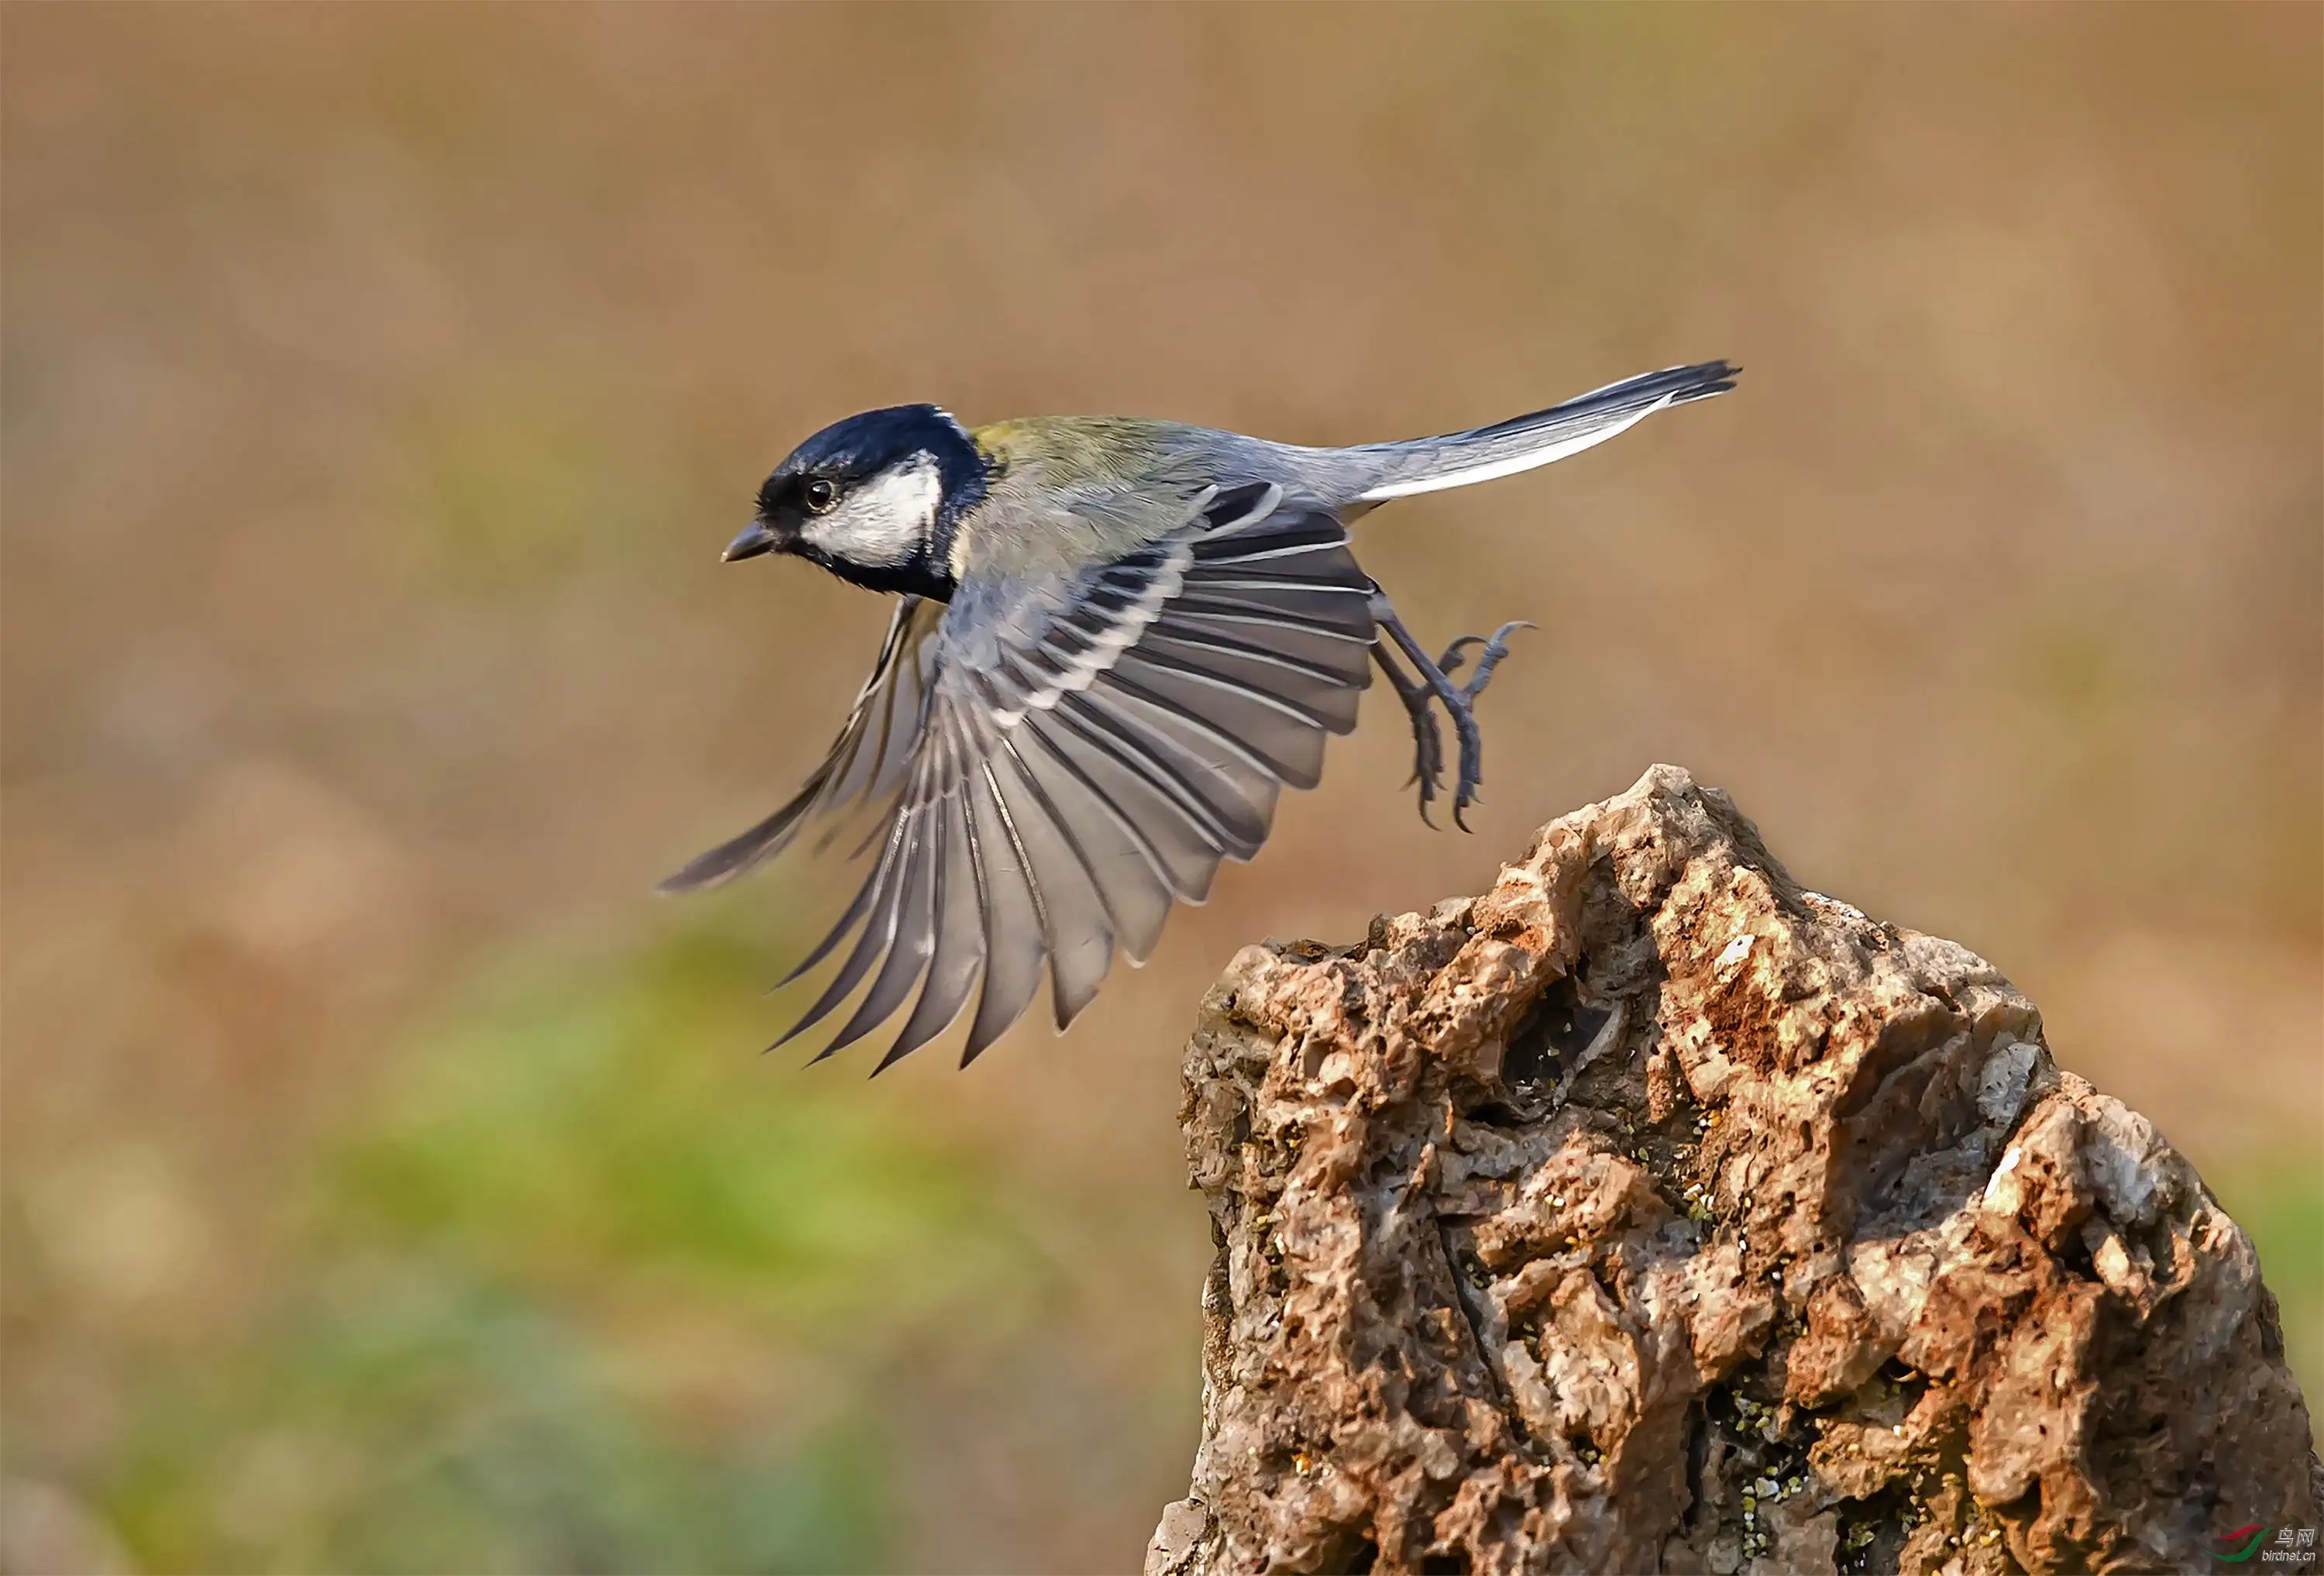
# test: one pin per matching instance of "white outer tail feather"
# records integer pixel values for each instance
(1525, 443)
(1511, 464)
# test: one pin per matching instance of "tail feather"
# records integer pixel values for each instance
(1427, 465)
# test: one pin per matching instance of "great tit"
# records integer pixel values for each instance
(1115, 641)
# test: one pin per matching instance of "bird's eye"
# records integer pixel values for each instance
(819, 494)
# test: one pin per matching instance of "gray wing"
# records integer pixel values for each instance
(867, 762)
(1088, 747)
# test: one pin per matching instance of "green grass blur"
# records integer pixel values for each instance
(527, 1299)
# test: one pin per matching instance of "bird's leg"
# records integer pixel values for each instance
(1435, 684)
(1427, 742)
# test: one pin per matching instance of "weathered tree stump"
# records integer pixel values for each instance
(1651, 1212)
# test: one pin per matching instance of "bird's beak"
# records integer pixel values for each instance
(756, 538)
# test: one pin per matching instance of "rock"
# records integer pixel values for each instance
(1651, 1212)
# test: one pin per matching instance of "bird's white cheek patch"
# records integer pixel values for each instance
(886, 521)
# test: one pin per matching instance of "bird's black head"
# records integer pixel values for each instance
(875, 499)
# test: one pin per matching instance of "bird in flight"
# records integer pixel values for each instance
(1115, 641)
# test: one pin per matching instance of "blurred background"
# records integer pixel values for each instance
(392, 1184)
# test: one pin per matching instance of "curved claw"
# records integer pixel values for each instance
(1472, 759)
(1496, 649)
(1428, 759)
(1456, 654)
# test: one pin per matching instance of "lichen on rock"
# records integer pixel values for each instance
(1651, 1212)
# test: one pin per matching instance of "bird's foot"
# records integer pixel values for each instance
(1431, 684)
(1496, 647)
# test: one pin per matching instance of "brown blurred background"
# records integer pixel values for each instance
(392, 1184)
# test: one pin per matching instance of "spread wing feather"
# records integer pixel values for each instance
(1058, 759)
(1016, 925)
(874, 748)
